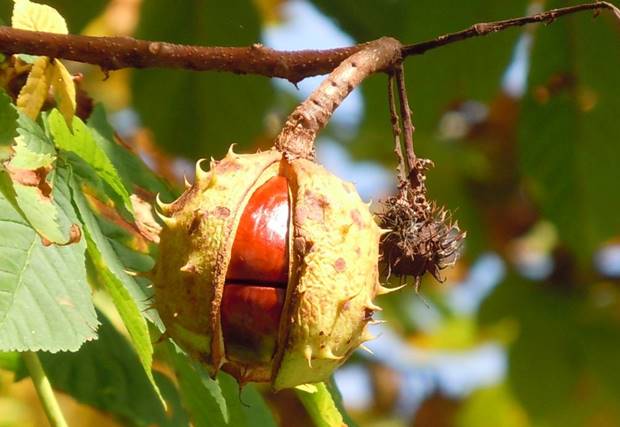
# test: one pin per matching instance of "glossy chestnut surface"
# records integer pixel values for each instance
(257, 275)
(250, 321)
(260, 249)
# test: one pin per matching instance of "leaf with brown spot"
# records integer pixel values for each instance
(44, 199)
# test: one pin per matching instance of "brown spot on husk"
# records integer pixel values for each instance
(357, 218)
(221, 212)
(340, 265)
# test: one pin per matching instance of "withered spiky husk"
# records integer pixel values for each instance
(421, 236)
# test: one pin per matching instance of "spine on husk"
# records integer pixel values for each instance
(333, 274)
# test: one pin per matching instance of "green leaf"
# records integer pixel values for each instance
(321, 406)
(81, 142)
(130, 313)
(45, 301)
(337, 397)
(139, 294)
(107, 375)
(33, 148)
(201, 114)
(201, 396)
(569, 130)
(8, 119)
(130, 167)
(221, 402)
(246, 406)
(51, 215)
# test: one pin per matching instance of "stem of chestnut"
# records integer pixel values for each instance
(296, 139)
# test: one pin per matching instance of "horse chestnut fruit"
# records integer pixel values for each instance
(267, 269)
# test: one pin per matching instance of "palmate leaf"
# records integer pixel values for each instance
(140, 296)
(41, 193)
(45, 301)
(133, 319)
(81, 142)
(106, 374)
(132, 170)
(51, 215)
(33, 148)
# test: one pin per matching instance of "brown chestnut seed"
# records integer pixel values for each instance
(250, 312)
(332, 271)
(250, 321)
(260, 249)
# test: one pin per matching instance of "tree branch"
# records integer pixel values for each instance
(112, 53)
(296, 139)
(484, 28)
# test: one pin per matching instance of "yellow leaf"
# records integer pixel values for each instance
(34, 92)
(37, 17)
(64, 90)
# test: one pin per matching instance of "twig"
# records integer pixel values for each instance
(112, 53)
(44, 389)
(405, 115)
(298, 133)
(484, 28)
(398, 150)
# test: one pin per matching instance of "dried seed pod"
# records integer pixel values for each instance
(332, 269)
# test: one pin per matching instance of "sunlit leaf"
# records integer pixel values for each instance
(81, 142)
(33, 149)
(133, 319)
(34, 93)
(132, 170)
(32, 16)
(138, 293)
(64, 89)
(45, 201)
(45, 301)
(321, 406)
